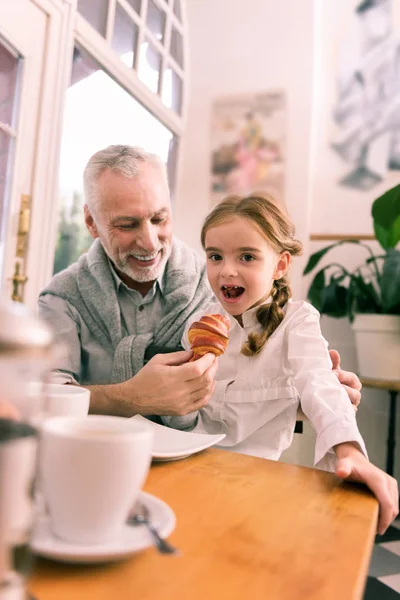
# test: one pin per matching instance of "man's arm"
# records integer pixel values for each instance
(167, 385)
(58, 314)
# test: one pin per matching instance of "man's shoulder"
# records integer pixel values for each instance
(65, 282)
(183, 256)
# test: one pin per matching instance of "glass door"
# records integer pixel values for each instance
(22, 45)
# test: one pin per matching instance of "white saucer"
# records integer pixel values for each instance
(133, 539)
(172, 444)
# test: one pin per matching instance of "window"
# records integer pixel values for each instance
(148, 37)
(9, 79)
(98, 112)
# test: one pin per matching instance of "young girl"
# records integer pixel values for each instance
(276, 357)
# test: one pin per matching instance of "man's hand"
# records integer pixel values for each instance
(352, 465)
(169, 385)
(349, 380)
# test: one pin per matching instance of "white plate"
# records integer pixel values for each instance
(134, 537)
(172, 444)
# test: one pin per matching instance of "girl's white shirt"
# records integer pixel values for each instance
(256, 398)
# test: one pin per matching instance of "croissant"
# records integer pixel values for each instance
(210, 334)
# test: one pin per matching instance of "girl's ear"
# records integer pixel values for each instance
(282, 265)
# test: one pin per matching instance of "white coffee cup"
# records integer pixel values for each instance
(92, 470)
(57, 399)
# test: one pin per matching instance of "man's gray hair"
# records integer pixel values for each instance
(127, 160)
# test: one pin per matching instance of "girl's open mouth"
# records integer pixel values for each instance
(232, 292)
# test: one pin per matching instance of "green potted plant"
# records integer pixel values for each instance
(368, 295)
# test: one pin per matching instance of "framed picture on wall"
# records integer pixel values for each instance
(247, 145)
(356, 116)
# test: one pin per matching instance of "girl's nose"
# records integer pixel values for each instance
(228, 270)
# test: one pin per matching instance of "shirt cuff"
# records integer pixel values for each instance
(337, 433)
(62, 377)
(186, 423)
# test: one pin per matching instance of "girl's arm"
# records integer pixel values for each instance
(351, 465)
(323, 399)
(326, 405)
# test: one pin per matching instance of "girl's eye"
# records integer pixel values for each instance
(214, 257)
(248, 257)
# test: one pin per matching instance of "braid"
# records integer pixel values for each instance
(269, 316)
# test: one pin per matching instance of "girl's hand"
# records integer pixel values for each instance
(352, 465)
(8, 411)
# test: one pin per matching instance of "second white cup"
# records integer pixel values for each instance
(57, 399)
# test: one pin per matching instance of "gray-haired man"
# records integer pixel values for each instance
(131, 294)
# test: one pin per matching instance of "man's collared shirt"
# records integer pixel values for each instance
(85, 360)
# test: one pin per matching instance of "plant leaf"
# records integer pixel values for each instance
(382, 235)
(316, 257)
(386, 216)
(394, 236)
(334, 299)
(362, 297)
(390, 280)
(316, 288)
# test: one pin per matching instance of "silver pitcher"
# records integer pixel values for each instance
(26, 348)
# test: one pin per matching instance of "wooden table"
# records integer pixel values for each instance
(393, 387)
(247, 528)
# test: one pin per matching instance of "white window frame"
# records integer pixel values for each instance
(100, 49)
(66, 28)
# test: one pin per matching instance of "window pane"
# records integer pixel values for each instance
(149, 66)
(136, 5)
(10, 71)
(98, 112)
(124, 37)
(177, 46)
(177, 9)
(8, 79)
(172, 90)
(156, 20)
(95, 13)
(5, 156)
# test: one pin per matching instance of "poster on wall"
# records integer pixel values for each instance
(247, 145)
(356, 117)
(367, 108)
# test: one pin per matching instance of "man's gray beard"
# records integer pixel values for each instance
(144, 274)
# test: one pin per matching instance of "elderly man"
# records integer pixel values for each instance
(131, 294)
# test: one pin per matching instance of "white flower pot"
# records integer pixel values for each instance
(378, 346)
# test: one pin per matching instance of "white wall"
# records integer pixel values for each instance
(239, 46)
